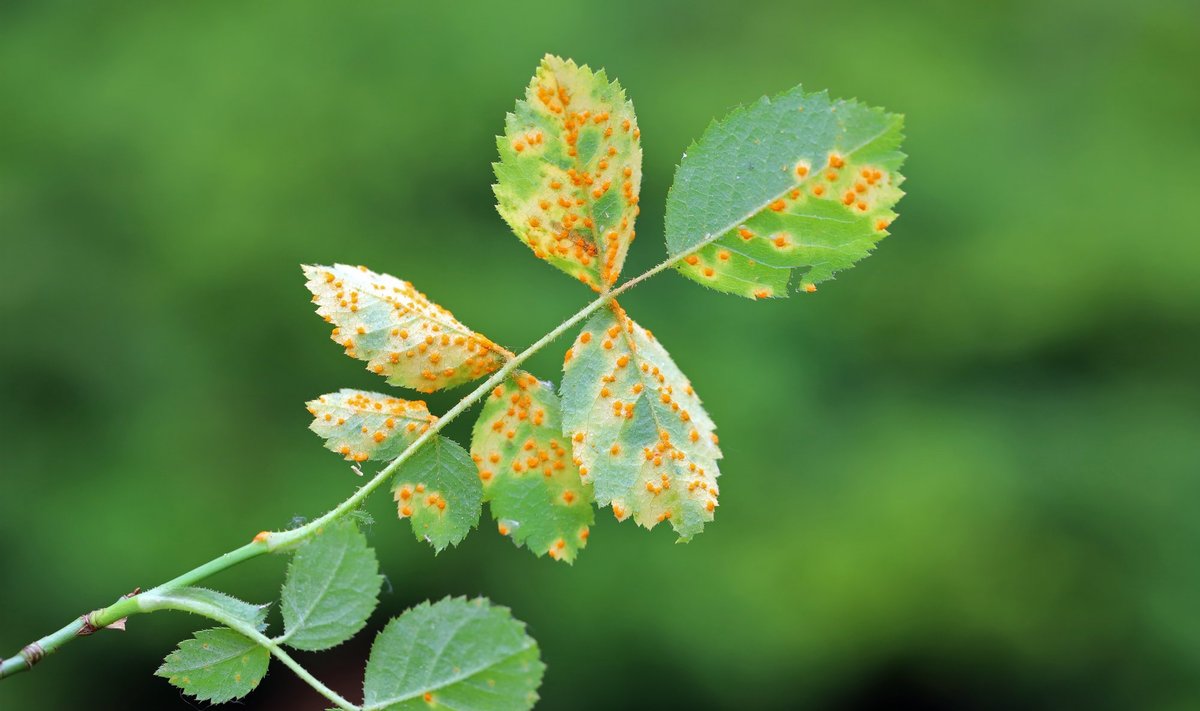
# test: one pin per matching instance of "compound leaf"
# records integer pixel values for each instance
(360, 425)
(216, 665)
(398, 331)
(638, 428)
(570, 170)
(438, 488)
(796, 183)
(528, 474)
(331, 588)
(455, 654)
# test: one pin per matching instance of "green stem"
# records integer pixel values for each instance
(82, 626)
(252, 549)
(272, 541)
(32, 653)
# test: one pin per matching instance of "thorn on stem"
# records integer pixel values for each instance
(90, 622)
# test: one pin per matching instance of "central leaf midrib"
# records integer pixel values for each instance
(448, 682)
(223, 660)
(645, 389)
(300, 623)
(714, 236)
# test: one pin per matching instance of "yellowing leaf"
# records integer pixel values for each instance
(399, 332)
(638, 428)
(528, 474)
(361, 425)
(570, 170)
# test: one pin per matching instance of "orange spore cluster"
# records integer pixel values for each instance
(411, 494)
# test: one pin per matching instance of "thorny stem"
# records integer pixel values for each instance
(267, 542)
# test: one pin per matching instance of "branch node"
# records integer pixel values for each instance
(89, 624)
(32, 654)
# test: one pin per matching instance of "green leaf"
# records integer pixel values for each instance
(527, 471)
(399, 332)
(570, 170)
(438, 488)
(361, 425)
(216, 665)
(204, 601)
(638, 428)
(455, 654)
(331, 588)
(798, 182)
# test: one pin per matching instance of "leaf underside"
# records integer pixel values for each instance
(438, 488)
(331, 588)
(216, 665)
(456, 654)
(798, 183)
(638, 428)
(398, 331)
(528, 474)
(361, 425)
(191, 598)
(570, 170)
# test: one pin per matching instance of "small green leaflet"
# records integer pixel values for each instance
(332, 586)
(216, 665)
(570, 170)
(455, 654)
(637, 426)
(206, 602)
(399, 332)
(528, 474)
(361, 425)
(438, 488)
(799, 182)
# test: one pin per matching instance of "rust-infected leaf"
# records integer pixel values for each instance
(398, 331)
(570, 170)
(360, 425)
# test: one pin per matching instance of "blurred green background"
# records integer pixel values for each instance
(964, 475)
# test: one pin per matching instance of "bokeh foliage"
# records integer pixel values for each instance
(963, 473)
